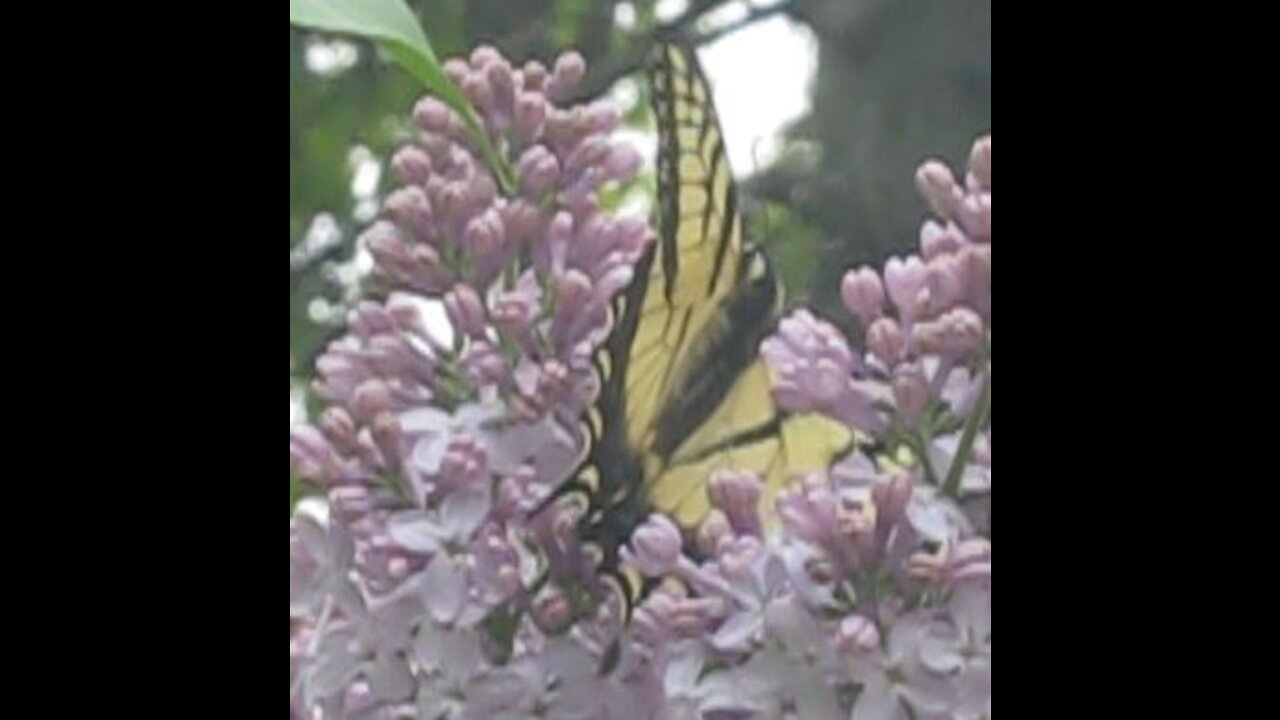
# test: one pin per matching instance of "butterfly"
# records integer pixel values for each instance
(684, 392)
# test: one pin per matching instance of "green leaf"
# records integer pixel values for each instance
(569, 15)
(393, 25)
(390, 21)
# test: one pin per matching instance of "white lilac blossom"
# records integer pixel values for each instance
(436, 582)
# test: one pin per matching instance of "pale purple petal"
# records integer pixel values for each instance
(444, 586)
(332, 672)
(390, 679)
(464, 510)
(879, 703)
(739, 632)
(416, 531)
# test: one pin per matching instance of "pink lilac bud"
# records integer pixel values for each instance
(312, 457)
(340, 370)
(655, 547)
(485, 55)
(714, 531)
(405, 315)
(530, 113)
(539, 172)
(479, 92)
(352, 502)
(976, 261)
(591, 243)
(858, 634)
(496, 563)
(622, 162)
(412, 166)
(486, 241)
(464, 463)
(943, 287)
(974, 215)
(863, 295)
(501, 79)
(416, 267)
(370, 399)
(573, 294)
(911, 393)
(515, 494)
(938, 186)
(524, 222)
(808, 512)
(886, 342)
(556, 246)
(553, 383)
(411, 209)
(956, 335)
(482, 190)
(579, 194)
(812, 370)
(980, 163)
(443, 155)
(456, 69)
(629, 238)
(514, 312)
(466, 311)
(739, 558)
(569, 70)
(425, 272)
(535, 75)
(905, 282)
(452, 203)
(937, 240)
(396, 356)
(389, 439)
(669, 614)
(484, 364)
(338, 427)
(369, 319)
(432, 115)
(559, 132)
(891, 499)
(610, 282)
(738, 495)
(603, 117)
(540, 386)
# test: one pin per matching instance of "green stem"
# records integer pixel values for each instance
(976, 420)
(501, 170)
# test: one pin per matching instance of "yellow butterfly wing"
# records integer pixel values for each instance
(698, 399)
(696, 265)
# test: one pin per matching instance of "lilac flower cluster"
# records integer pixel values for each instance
(411, 587)
(428, 580)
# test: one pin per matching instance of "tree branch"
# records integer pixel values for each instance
(754, 16)
(633, 59)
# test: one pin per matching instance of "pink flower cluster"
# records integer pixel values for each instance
(410, 585)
